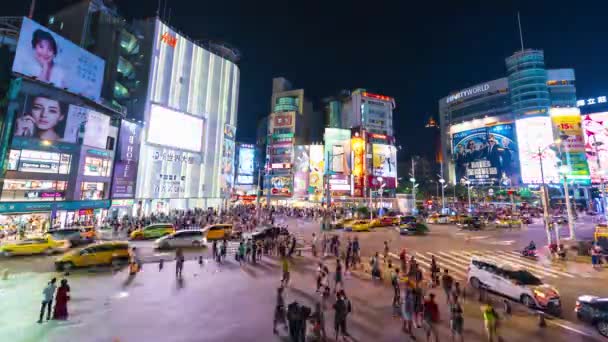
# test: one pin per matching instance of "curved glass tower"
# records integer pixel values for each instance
(528, 83)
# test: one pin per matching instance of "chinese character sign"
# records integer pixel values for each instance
(125, 169)
(567, 127)
(595, 128)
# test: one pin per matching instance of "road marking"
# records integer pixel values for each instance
(479, 237)
(532, 270)
(429, 266)
(568, 327)
(451, 262)
(538, 266)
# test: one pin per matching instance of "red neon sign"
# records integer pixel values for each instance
(169, 39)
(376, 96)
(378, 136)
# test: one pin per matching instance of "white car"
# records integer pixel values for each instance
(182, 238)
(519, 285)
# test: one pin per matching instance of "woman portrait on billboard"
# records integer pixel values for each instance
(45, 50)
(43, 118)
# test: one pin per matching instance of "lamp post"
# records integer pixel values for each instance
(442, 181)
(564, 170)
(468, 183)
(544, 199)
(259, 194)
(380, 190)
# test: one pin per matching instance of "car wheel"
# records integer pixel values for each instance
(475, 282)
(117, 262)
(7, 254)
(48, 251)
(602, 328)
(66, 266)
(196, 244)
(528, 301)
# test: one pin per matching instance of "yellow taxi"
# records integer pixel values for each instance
(31, 246)
(218, 231)
(153, 231)
(341, 223)
(375, 222)
(601, 232)
(508, 222)
(359, 226)
(102, 253)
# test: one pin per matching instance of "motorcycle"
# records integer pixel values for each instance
(529, 253)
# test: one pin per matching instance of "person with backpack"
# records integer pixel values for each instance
(456, 319)
(490, 318)
(342, 308)
(431, 317)
(447, 282)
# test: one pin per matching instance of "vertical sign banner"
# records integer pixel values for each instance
(595, 127)
(535, 135)
(301, 164)
(358, 150)
(568, 127)
(384, 160)
(316, 169)
(227, 171)
(125, 169)
(337, 150)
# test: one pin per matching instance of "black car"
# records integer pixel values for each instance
(73, 235)
(593, 310)
(268, 232)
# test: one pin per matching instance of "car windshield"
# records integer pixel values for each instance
(63, 232)
(408, 219)
(525, 277)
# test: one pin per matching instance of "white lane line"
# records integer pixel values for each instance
(530, 269)
(568, 327)
(418, 255)
(479, 237)
(537, 265)
(447, 261)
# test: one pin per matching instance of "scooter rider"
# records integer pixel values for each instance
(531, 247)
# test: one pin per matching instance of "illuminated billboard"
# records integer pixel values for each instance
(595, 127)
(384, 160)
(127, 160)
(300, 183)
(46, 56)
(337, 150)
(486, 155)
(567, 127)
(280, 185)
(246, 159)
(168, 173)
(171, 128)
(302, 159)
(535, 137)
(316, 169)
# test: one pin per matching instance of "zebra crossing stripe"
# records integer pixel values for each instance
(532, 270)
(429, 266)
(443, 260)
(537, 265)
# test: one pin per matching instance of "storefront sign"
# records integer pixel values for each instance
(43, 194)
(468, 92)
(591, 101)
(125, 170)
(568, 127)
(122, 203)
(85, 212)
(17, 207)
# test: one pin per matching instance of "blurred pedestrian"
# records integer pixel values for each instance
(342, 308)
(214, 250)
(490, 318)
(318, 319)
(407, 310)
(240, 255)
(179, 262)
(313, 245)
(339, 278)
(61, 301)
(223, 250)
(285, 268)
(431, 318)
(47, 299)
(386, 251)
(456, 319)
(279, 311)
(447, 282)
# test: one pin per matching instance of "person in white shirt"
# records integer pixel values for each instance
(47, 300)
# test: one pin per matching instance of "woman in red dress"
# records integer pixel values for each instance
(61, 301)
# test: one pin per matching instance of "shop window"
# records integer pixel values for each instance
(39, 161)
(33, 190)
(97, 167)
(92, 190)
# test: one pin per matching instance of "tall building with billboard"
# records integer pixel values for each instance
(189, 103)
(479, 139)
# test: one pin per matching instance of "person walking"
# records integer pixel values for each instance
(279, 311)
(223, 250)
(318, 320)
(489, 320)
(456, 319)
(447, 282)
(313, 245)
(396, 291)
(418, 305)
(375, 267)
(61, 301)
(403, 260)
(408, 311)
(214, 250)
(285, 267)
(356, 252)
(240, 252)
(179, 262)
(47, 299)
(339, 278)
(342, 308)
(254, 252)
(386, 250)
(431, 317)
(434, 272)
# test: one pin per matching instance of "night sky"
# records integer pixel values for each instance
(415, 51)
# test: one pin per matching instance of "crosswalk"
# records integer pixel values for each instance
(457, 262)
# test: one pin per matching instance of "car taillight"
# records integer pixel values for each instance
(577, 306)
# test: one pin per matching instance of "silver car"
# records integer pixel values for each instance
(182, 238)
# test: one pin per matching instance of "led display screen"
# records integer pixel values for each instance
(46, 56)
(535, 139)
(337, 150)
(171, 128)
(384, 160)
(246, 158)
(316, 169)
(595, 127)
(567, 127)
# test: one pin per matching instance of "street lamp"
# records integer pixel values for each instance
(599, 167)
(414, 185)
(564, 170)
(442, 181)
(467, 182)
(380, 189)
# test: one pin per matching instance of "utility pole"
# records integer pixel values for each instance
(259, 195)
(602, 186)
(413, 180)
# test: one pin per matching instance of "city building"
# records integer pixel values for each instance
(58, 136)
(493, 133)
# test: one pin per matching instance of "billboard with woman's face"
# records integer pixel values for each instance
(43, 117)
(46, 56)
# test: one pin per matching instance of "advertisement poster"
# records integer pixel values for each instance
(175, 129)
(44, 55)
(487, 155)
(282, 120)
(227, 167)
(280, 185)
(384, 160)
(170, 173)
(595, 128)
(229, 132)
(316, 169)
(535, 137)
(246, 159)
(125, 169)
(568, 127)
(337, 150)
(302, 158)
(96, 130)
(339, 185)
(300, 184)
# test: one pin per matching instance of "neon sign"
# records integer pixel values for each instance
(169, 39)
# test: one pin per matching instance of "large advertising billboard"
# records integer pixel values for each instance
(175, 129)
(301, 160)
(595, 127)
(281, 185)
(125, 167)
(337, 150)
(300, 183)
(246, 159)
(46, 56)
(535, 139)
(316, 169)
(567, 126)
(169, 173)
(227, 171)
(384, 160)
(94, 125)
(487, 155)
(281, 120)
